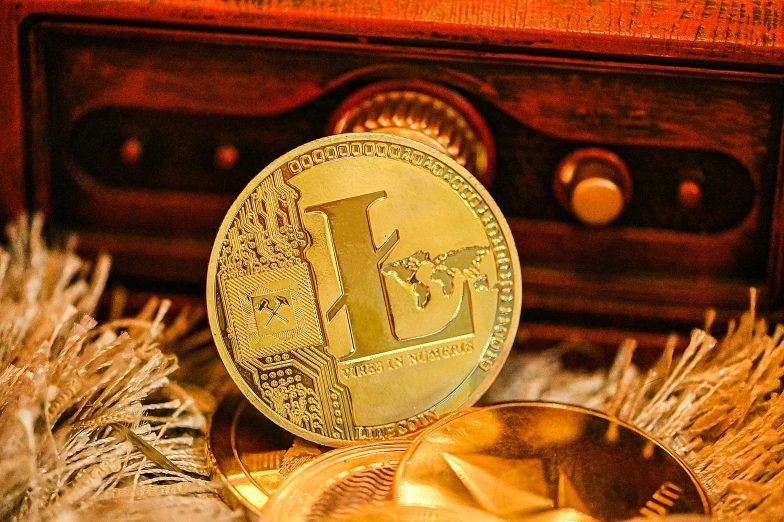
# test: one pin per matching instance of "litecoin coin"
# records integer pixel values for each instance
(361, 287)
(537, 461)
(250, 454)
(338, 485)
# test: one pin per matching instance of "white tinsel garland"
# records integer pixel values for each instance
(80, 403)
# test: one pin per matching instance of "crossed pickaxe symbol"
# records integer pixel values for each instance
(273, 312)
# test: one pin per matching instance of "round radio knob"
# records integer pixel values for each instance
(131, 151)
(594, 185)
(424, 112)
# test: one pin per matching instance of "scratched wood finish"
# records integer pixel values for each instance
(749, 32)
(729, 35)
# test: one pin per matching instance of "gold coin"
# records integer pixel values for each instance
(361, 287)
(337, 485)
(393, 512)
(546, 462)
(250, 454)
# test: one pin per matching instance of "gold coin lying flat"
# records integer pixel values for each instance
(250, 454)
(392, 512)
(532, 462)
(361, 287)
(337, 485)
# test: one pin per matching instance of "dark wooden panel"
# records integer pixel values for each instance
(548, 76)
(183, 93)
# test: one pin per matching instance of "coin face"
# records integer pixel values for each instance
(250, 454)
(542, 461)
(361, 287)
(338, 485)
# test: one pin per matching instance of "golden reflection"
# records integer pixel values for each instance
(338, 484)
(391, 512)
(248, 490)
(549, 462)
(250, 454)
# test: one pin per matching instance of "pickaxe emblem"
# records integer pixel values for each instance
(264, 306)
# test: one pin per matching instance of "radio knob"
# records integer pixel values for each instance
(425, 112)
(131, 151)
(689, 194)
(594, 185)
(225, 157)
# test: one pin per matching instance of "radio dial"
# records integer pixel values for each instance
(594, 185)
(424, 112)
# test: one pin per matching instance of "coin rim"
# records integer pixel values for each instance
(228, 219)
(424, 434)
(223, 453)
(337, 456)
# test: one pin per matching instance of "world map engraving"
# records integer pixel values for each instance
(442, 269)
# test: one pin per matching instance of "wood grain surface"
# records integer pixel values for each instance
(740, 32)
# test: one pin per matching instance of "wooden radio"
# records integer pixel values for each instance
(635, 147)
